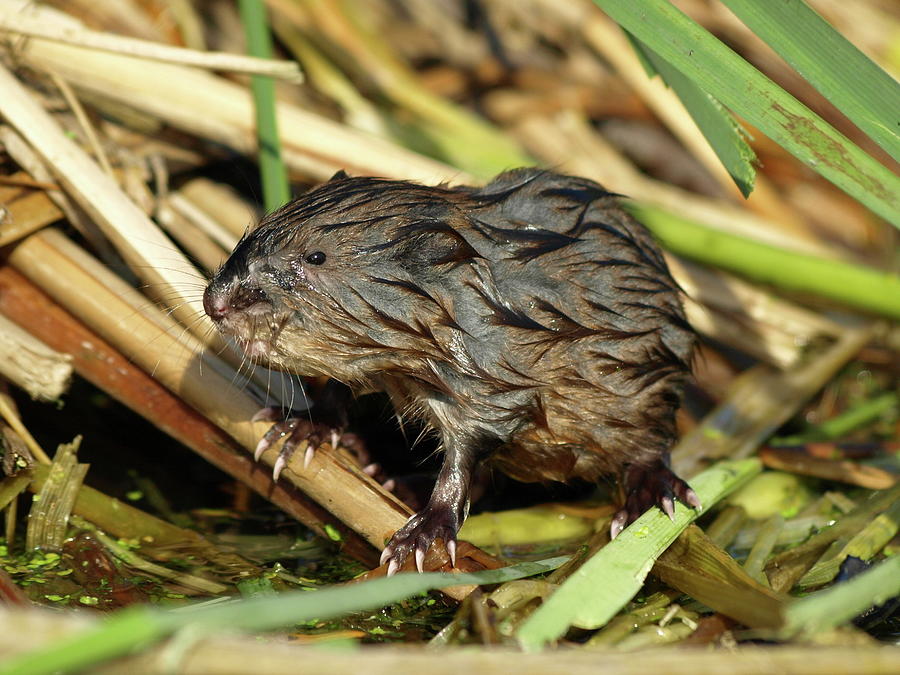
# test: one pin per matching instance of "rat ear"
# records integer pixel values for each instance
(340, 175)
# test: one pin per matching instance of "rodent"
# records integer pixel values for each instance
(531, 322)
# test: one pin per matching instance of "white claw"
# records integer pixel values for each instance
(616, 526)
(693, 499)
(393, 567)
(385, 554)
(261, 447)
(280, 463)
(390, 484)
(668, 507)
(420, 560)
(371, 469)
(451, 551)
(335, 439)
(308, 457)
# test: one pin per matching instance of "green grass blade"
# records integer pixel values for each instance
(606, 582)
(259, 43)
(745, 91)
(841, 602)
(856, 286)
(718, 126)
(856, 85)
(139, 627)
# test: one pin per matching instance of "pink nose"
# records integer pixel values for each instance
(215, 305)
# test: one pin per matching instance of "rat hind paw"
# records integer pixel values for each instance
(298, 430)
(647, 486)
(420, 531)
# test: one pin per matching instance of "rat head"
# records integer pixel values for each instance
(335, 282)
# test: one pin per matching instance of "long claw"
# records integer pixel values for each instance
(392, 568)
(668, 506)
(280, 463)
(308, 457)
(451, 551)
(261, 447)
(692, 499)
(335, 439)
(420, 559)
(385, 555)
(617, 525)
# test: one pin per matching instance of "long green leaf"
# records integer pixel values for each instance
(856, 286)
(861, 90)
(841, 602)
(605, 583)
(276, 190)
(742, 88)
(718, 126)
(141, 626)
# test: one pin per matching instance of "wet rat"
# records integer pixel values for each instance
(531, 322)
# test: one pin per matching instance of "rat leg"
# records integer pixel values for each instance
(330, 412)
(446, 509)
(648, 485)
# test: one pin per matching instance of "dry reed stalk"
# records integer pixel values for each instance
(205, 252)
(221, 205)
(199, 218)
(106, 368)
(854, 473)
(78, 282)
(30, 364)
(26, 214)
(147, 251)
(23, 154)
(10, 414)
(23, 18)
(214, 108)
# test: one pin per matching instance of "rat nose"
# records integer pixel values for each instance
(215, 304)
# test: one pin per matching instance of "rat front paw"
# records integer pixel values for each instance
(433, 522)
(647, 486)
(298, 430)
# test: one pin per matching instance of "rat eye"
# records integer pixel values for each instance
(316, 258)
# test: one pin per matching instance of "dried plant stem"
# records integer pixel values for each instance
(27, 214)
(214, 108)
(83, 121)
(30, 364)
(11, 417)
(23, 21)
(223, 215)
(147, 251)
